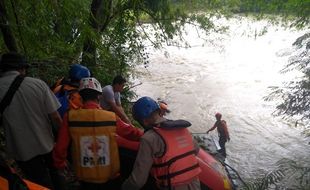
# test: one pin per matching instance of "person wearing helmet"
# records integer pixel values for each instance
(90, 133)
(76, 72)
(111, 98)
(163, 107)
(27, 120)
(222, 130)
(66, 90)
(164, 140)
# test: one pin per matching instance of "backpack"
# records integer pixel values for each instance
(63, 98)
(68, 97)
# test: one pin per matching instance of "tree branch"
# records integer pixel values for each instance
(8, 36)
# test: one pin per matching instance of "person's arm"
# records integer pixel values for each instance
(56, 122)
(214, 126)
(51, 104)
(128, 131)
(61, 146)
(141, 169)
(119, 111)
(108, 97)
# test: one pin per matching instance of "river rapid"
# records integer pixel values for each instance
(231, 73)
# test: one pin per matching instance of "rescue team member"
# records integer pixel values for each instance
(29, 138)
(111, 98)
(167, 150)
(222, 132)
(92, 132)
(163, 107)
(68, 88)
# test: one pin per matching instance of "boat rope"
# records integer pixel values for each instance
(236, 174)
(225, 164)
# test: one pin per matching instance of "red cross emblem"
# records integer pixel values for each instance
(94, 147)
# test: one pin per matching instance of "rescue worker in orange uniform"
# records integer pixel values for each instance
(92, 133)
(223, 133)
(167, 151)
(69, 88)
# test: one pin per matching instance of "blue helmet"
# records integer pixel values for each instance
(77, 72)
(143, 108)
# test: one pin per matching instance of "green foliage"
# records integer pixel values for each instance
(48, 33)
(287, 175)
(295, 94)
(295, 13)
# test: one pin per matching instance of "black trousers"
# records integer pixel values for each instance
(41, 171)
(222, 142)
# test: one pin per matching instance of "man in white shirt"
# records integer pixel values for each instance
(111, 98)
(28, 119)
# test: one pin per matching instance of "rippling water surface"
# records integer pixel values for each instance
(231, 74)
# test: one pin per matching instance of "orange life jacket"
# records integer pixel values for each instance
(178, 165)
(74, 98)
(34, 186)
(222, 129)
(94, 146)
(4, 183)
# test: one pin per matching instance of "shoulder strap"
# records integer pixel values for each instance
(10, 93)
(11, 163)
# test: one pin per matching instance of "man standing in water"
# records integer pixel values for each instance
(222, 131)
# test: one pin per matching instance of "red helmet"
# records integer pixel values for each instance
(218, 115)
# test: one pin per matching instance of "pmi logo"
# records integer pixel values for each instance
(95, 151)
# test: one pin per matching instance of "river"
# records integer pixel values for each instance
(231, 74)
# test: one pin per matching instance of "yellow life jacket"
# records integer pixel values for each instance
(178, 165)
(94, 148)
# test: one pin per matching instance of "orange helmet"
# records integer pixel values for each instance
(163, 105)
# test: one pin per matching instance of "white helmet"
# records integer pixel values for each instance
(90, 83)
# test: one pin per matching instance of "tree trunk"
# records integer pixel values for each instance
(99, 17)
(8, 35)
